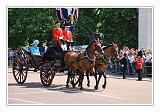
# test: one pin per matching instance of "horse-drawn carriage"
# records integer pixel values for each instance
(58, 60)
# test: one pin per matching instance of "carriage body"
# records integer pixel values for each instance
(48, 65)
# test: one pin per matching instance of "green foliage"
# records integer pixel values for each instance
(117, 24)
(28, 24)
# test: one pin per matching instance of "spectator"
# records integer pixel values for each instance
(11, 55)
(143, 53)
(120, 54)
(125, 50)
(125, 65)
(148, 62)
(131, 59)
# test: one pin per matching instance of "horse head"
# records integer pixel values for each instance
(114, 50)
(111, 51)
(95, 47)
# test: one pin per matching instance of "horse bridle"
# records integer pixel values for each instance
(102, 56)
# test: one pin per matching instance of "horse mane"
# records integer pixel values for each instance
(106, 47)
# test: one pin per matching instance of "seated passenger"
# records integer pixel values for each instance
(68, 36)
(34, 49)
(43, 48)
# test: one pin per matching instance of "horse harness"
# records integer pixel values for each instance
(86, 56)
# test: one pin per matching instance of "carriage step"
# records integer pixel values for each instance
(58, 61)
(57, 64)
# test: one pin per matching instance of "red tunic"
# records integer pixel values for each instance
(56, 33)
(139, 63)
(67, 35)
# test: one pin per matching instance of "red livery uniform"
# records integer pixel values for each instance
(67, 35)
(139, 63)
(56, 33)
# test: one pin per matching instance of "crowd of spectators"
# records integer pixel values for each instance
(131, 55)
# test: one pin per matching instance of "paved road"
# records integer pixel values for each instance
(118, 91)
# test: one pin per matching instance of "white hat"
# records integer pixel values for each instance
(35, 42)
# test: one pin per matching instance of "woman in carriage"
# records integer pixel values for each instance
(34, 48)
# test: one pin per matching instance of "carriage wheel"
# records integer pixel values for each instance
(46, 74)
(74, 79)
(20, 70)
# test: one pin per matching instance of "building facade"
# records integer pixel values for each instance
(145, 28)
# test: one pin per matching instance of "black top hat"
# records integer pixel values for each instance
(67, 25)
(140, 54)
(57, 22)
(44, 42)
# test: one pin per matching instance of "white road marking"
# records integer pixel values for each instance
(24, 100)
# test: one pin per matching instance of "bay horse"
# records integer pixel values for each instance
(101, 63)
(83, 61)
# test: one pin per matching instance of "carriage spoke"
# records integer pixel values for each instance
(20, 76)
(17, 73)
(23, 75)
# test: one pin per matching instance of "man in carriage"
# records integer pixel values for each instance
(68, 36)
(57, 33)
(43, 48)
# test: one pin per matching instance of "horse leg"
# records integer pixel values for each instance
(81, 80)
(105, 82)
(68, 77)
(88, 81)
(96, 86)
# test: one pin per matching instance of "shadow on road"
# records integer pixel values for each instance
(73, 90)
(54, 87)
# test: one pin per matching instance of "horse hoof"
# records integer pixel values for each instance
(95, 87)
(81, 88)
(103, 86)
(73, 86)
(88, 85)
(67, 86)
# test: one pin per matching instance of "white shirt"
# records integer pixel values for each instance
(148, 58)
(131, 58)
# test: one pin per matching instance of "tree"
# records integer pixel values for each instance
(28, 24)
(118, 25)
